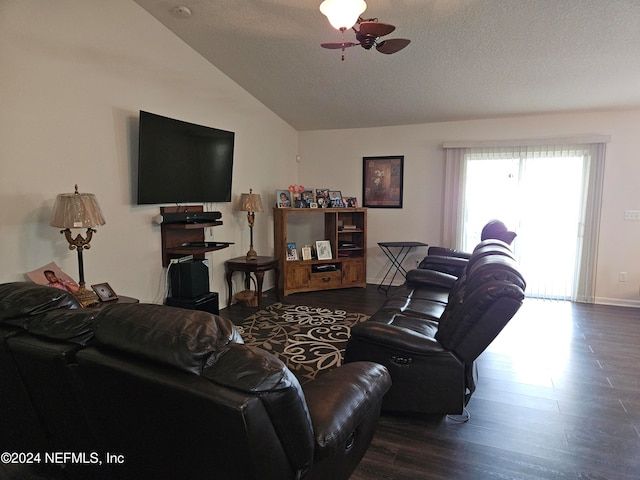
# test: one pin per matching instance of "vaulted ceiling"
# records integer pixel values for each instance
(467, 59)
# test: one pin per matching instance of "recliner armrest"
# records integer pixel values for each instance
(340, 400)
(403, 333)
(446, 264)
(447, 252)
(430, 278)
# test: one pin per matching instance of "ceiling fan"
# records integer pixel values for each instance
(368, 33)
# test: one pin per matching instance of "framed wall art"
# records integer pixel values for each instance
(382, 181)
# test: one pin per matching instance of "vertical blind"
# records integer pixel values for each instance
(549, 193)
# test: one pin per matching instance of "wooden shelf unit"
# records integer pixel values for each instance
(176, 234)
(348, 248)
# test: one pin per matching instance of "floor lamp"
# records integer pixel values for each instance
(78, 210)
(251, 203)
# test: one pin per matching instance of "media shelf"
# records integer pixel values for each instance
(346, 230)
(177, 236)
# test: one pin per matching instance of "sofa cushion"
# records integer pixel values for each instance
(175, 336)
(248, 369)
(19, 300)
(75, 326)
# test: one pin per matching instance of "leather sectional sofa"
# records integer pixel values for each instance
(431, 330)
(139, 391)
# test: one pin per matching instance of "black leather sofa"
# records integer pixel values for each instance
(147, 391)
(430, 331)
(448, 260)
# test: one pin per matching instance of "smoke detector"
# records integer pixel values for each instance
(181, 11)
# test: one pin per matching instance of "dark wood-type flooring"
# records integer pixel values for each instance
(558, 397)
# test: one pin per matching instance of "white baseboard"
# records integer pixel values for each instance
(617, 302)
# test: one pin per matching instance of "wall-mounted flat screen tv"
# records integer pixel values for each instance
(180, 162)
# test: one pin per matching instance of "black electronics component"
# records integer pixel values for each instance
(188, 280)
(191, 217)
(207, 303)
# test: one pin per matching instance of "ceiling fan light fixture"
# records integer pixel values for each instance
(343, 14)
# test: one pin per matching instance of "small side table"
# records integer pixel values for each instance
(257, 267)
(120, 299)
(396, 256)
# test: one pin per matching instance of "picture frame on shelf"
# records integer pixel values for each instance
(104, 292)
(322, 198)
(382, 179)
(306, 252)
(313, 205)
(292, 252)
(308, 197)
(335, 197)
(350, 202)
(323, 249)
(283, 199)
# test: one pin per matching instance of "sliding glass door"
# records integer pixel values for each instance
(539, 192)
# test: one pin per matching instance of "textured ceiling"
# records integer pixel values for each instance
(467, 59)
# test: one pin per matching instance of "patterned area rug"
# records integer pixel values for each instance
(307, 339)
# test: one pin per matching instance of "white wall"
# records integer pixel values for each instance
(334, 159)
(74, 75)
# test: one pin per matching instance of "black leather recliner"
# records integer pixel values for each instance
(173, 393)
(430, 332)
(453, 262)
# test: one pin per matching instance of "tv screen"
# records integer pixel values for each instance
(180, 162)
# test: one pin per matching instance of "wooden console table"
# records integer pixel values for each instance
(257, 267)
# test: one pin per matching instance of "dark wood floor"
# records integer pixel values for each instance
(558, 397)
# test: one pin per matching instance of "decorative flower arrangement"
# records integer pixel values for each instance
(295, 190)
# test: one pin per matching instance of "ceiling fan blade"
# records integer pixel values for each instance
(376, 29)
(392, 46)
(337, 45)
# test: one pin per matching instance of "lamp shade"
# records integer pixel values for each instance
(76, 210)
(343, 14)
(251, 202)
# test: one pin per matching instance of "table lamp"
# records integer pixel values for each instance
(251, 203)
(78, 210)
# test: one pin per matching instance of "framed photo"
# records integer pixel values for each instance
(299, 202)
(350, 202)
(308, 197)
(306, 252)
(382, 182)
(283, 199)
(104, 291)
(323, 247)
(335, 197)
(292, 252)
(322, 198)
(313, 205)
